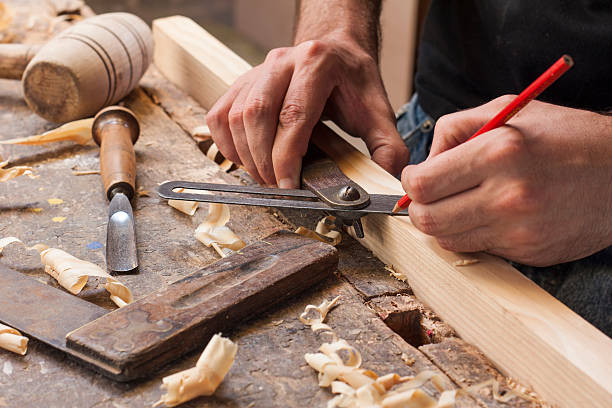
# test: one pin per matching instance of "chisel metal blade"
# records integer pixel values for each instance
(120, 236)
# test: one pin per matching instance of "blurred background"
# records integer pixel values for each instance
(253, 27)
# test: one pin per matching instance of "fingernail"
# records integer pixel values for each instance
(287, 183)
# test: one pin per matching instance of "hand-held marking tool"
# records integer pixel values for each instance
(90, 65)
(328, 190)
(115, 130)
(134, 341)
(531, 92)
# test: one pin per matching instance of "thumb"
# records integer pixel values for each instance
(387, 147)
(456, 128)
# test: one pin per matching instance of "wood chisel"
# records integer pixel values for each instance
(115, 130)
(139, 338)
(327, 189)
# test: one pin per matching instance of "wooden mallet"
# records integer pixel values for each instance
(90, 65)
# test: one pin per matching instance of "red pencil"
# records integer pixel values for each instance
(531, 92)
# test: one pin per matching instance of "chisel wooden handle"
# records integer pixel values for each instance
(115, 130)
(14, 59)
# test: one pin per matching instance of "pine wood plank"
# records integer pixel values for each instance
(527, 333)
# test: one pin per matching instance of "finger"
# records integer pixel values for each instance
(261, 114)
(452, 215)
(218, 123)
(476, 240)
(236, 125)
(448, 173)
(454, 129)
(301, 110)
(386, 146)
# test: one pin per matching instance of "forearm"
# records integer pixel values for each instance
(355, 20)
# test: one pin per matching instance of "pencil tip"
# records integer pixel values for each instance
(396, 208)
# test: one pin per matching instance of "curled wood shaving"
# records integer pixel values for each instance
(213, 231)
(202, 132)
(204, 378)
(186, 207)
(465, 262)
(72, 273)
(78, 131)
(323, 232)
(12, 340)
(339, 367)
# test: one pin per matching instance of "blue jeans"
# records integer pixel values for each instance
(585, 285)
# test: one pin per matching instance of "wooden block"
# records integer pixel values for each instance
(141, 337)
(525, 331)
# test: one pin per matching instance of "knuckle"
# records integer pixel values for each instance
(519, 199)
(234, 117)
(276, 54)
(504, 99)
(255, 108)
(508, 147)
(292, 114)
(314, 48)
(417, 186)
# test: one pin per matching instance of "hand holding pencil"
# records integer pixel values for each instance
(531, 92)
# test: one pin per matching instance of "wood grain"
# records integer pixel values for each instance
(525, 331)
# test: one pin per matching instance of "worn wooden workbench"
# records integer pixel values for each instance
(269, 369)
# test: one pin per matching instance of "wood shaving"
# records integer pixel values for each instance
(323, 232)
(339, 367)
(85, 172)
(15, 171)
(12, 340)
(395, 274)
(465, 262)
(55, 201)
(58, 219)
(202, 132)
(72, 273)
(186, 207)
(203, 379)
(78, 131)
(213, 231)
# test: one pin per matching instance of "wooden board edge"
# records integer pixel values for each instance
(524, 330)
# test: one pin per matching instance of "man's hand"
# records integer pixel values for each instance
(537, 191)
(265, 120)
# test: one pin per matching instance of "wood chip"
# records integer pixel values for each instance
(72, 273)
(204, 378)
(15, 171)
(323, 232)
(78, 131)
(85, 172)
(339, 367)
(186, 207)
(213, 231)
(465, 262)
(12, 340)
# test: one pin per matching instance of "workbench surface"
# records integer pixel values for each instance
(269, 369)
